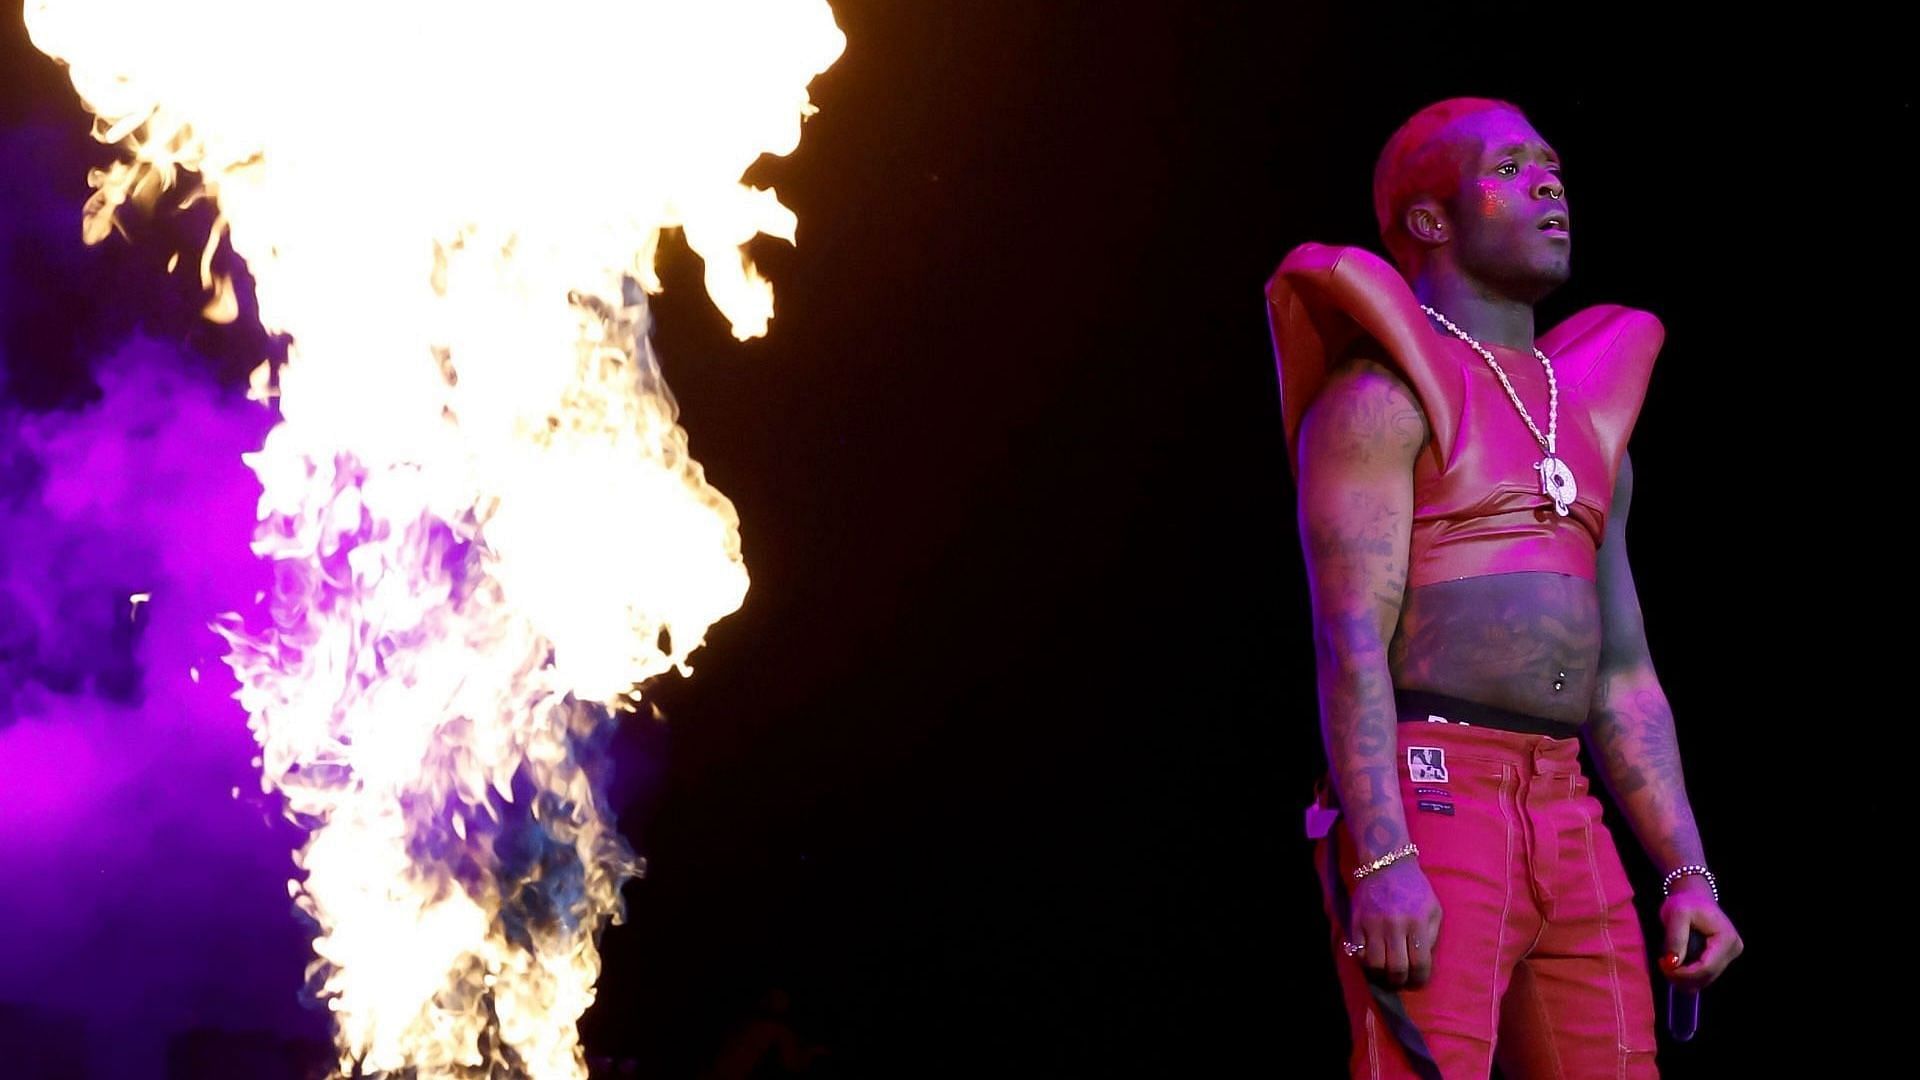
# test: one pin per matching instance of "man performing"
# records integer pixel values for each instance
(1463, 495)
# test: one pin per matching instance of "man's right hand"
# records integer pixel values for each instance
(1397, 917)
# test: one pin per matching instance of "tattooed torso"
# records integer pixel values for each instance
(1505, 640)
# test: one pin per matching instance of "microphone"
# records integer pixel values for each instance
(1683, 1006)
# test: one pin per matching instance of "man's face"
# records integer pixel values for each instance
(1511, 228)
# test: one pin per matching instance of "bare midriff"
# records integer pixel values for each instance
(1526, 642)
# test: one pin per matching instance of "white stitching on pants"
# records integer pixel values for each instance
(1606, 934)
(1506, 910)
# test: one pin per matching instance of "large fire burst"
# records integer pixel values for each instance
(484, 523)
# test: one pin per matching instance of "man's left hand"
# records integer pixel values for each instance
(1691, 908)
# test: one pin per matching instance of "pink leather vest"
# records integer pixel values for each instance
(1478, 507)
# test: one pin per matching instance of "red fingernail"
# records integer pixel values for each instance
(1669, 963)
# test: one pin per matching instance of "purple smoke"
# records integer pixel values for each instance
(140, 897)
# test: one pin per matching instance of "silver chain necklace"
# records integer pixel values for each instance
(1556, 480)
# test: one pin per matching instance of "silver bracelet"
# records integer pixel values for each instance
(1405, 851)
(1666, 886)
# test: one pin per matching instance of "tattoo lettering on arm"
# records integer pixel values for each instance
(1357, 447)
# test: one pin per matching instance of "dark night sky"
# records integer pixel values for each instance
(999, 770)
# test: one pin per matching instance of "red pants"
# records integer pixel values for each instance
(1540, 958)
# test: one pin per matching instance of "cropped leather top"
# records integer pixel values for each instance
(1478, 504)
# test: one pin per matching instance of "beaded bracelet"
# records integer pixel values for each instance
(1666, 886)
(1384, 861)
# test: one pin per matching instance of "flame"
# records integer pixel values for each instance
(485, 526)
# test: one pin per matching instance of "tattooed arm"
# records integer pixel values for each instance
(1358, 444)
(1630, 734)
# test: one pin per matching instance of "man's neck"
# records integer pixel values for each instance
(1489, 318)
